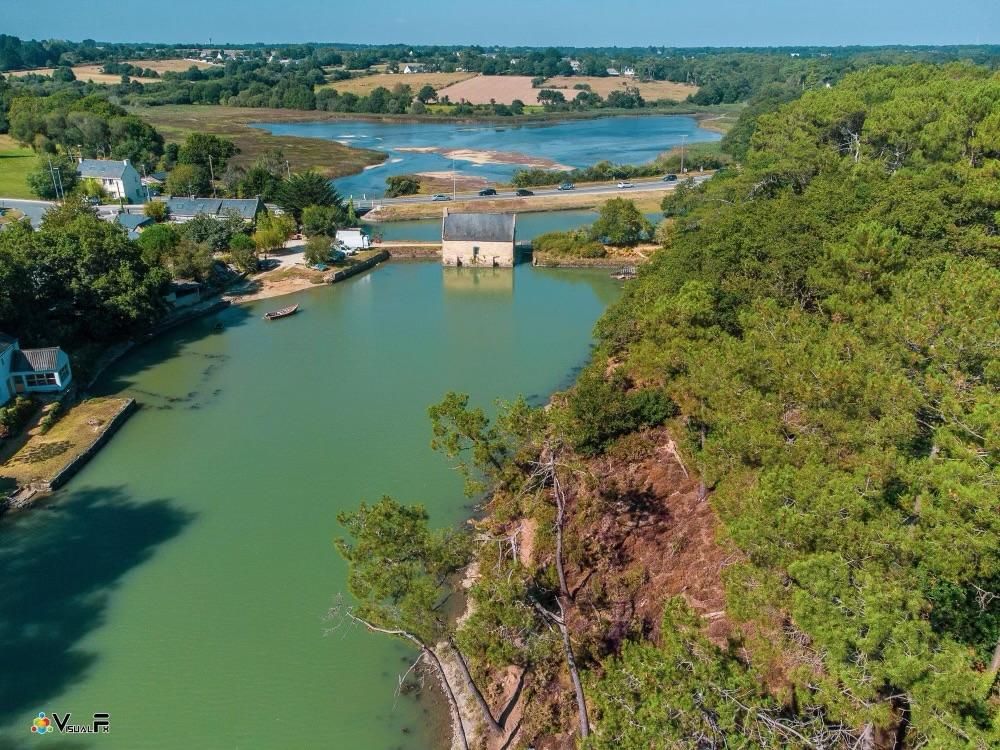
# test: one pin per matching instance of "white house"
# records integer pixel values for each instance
(31, 370)
(412, 68)
(116, 178)
(353, 239)
(629, 71)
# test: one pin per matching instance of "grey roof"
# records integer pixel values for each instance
(479, 227)
(36, 360)
(6, 341)
(102, 168)
(133, 221)
(245, 207)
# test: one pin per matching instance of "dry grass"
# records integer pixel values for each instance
(327, 157)
(650, 90)
(501, 89)
(44, 456)
(93, 72)
(645, 201)
(366, 84)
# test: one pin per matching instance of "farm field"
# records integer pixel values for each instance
(484, 89)
(366, 84)
(650, 90)
(93, 72)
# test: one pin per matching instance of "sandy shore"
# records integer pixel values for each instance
(477, 156)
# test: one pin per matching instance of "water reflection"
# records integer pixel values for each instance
(492, 281)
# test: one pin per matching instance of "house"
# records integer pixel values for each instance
(628, 71)
(575, 65)
(116, 178)
(474, 239)
(133, 223)
(182, 210)
(353, 239)
(31, 370)
(183, 294)
(413, 68)
(613, 72)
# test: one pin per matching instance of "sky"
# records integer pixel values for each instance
(624, 23)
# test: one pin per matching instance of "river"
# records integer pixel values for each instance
(572, 143)
(180, 581)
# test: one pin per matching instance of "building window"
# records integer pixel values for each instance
(41, 379)
(64, 374)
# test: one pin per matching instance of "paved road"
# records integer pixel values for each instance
(34, 210)
(611, 189)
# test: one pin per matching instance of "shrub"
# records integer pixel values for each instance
(601, 410)
(50, 418)
(15, 416)
(568, 245)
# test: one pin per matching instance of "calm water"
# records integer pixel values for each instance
(575, 143)
(180, 581)
(529, 226)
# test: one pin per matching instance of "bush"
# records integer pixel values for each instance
(602, 410)
(50, 418)
(15, 416)
(568, 245)
(243, 253)
(401, 184)
(155, 210)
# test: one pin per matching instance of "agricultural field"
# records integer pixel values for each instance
(366, 84)
(651, 91)
(486, 89)
(93, 72)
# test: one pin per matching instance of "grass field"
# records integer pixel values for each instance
(651, 90)
(93, 72)
(366, 84)
(327, 157)
(15, 163)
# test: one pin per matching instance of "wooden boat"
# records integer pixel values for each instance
(282, 313)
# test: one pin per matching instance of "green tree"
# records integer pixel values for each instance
(621, 223)
(317, 249)
(400, 185)
(158, 242)
(156, 210)
(426, 93)
(243, 253)
(307, 189)
(188, 179)
(320, 221)
(207, 151)
(52, 176)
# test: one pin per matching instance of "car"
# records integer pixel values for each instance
(567, 186)
(623, 184)
(523, 192)
(441, 197)
(487, 191)
(670, 178)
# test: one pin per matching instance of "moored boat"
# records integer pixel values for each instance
(284, 312)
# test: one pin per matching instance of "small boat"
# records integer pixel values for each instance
(282, 313)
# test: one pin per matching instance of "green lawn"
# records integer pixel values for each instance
(15, 163)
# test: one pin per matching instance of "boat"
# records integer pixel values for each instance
(282, 313)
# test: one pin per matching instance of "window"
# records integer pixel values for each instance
(41, 379)
(64, 374)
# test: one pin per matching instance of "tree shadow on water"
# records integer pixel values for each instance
(59, 565)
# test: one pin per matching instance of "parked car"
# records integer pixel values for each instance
(567, 186)
(670, 178)
(523, 192)
(441, 197)
(623, 184)
(487, 191)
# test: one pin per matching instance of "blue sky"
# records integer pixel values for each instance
(529, 22)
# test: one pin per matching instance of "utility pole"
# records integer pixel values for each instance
(146, 178)
(683, 141)
(62, 191)
(288, 169)
(52, 174)
(211, 171)
(454, 180)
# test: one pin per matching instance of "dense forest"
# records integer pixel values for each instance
(797, 406)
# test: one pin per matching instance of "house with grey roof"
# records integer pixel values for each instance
(476, 239)
(31, 370)
(133, 223)
(117, 178)
(182, 210)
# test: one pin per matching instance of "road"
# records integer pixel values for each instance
(610, 189)
(34, 210)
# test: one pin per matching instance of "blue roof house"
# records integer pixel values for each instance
(31, 370)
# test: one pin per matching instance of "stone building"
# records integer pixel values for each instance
(471, 239)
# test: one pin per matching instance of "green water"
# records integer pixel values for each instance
(180, 581)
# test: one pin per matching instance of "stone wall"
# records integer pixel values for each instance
(462, 253)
